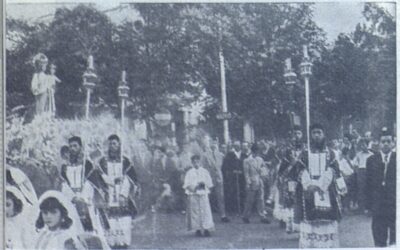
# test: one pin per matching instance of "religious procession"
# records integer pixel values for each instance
(157, 125)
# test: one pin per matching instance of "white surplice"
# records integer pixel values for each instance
(199, 214)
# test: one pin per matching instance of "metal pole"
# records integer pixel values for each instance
(122, 113)
(88, 92)
(223, 96)
(122, 128)
(307, 87)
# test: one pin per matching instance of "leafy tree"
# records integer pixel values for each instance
(255, 40)
(158, 52)
(357, 80)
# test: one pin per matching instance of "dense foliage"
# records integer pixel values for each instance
(172, 50)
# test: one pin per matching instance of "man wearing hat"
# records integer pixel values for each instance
(319, 211)
(381, 191)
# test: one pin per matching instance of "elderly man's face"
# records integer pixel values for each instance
(317, 135)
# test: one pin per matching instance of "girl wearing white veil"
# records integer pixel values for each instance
(20, 232)
(58, 223)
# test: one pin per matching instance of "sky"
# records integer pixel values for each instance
(333, 17)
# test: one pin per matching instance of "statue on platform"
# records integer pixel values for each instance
(43, 85)
(39, 84)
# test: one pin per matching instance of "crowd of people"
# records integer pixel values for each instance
(306, 189)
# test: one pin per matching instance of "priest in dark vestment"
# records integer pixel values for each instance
(119, 192)
(233, 176)
(317, 194)
(82, 184)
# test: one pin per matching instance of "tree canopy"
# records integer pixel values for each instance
(171, 55)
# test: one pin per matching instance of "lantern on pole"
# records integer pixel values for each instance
(289, 75)
(89, 83)
(305, 69)
(290, 80)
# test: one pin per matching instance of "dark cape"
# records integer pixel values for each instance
(305, 210)
(129, 172)
(94, 177)
(233, 187)
(287, 173)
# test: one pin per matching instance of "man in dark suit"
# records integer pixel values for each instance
(381, 191)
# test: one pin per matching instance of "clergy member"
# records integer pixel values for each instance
(319, 179)
(81, 183)
(234, 185)
(120, 177)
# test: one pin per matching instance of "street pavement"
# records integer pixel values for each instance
(161, 230)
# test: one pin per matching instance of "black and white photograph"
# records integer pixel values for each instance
(199, 125)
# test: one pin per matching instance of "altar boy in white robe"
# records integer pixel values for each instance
(197, 186)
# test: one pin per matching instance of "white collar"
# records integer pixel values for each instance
(237, 153)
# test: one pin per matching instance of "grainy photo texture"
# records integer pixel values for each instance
(200, 125)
